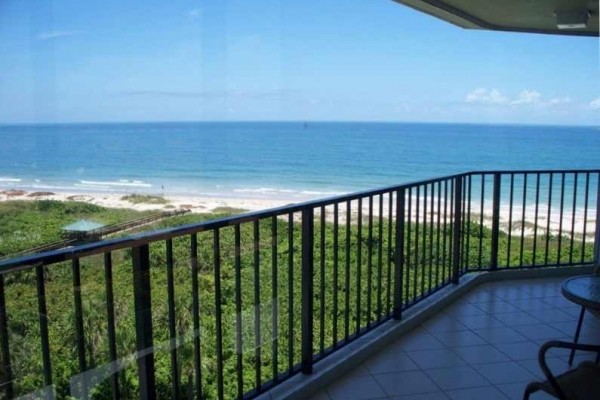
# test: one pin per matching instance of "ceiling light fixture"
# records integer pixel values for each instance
(572, 19)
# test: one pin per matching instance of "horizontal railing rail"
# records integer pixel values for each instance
(231, 307)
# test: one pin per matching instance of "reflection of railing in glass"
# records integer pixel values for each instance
(231, 307)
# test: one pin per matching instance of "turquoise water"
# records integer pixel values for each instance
(275, 159)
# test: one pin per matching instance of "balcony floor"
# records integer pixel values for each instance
(482, 346)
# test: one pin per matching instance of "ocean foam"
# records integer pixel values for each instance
(8, 179)
(317, 193)
(295, 193)
(120, 182)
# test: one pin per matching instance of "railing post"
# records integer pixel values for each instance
(456, 231)
(110, 314)
(307, 289)
(597, 236)
(399, 254)
(495, 221)
(143, 321)
(80, 390)
(6, 366)
(43, 318)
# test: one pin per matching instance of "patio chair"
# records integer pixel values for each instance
(580, 383)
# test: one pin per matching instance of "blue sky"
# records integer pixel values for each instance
(150, 60)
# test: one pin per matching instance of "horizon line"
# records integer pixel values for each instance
(45, 123)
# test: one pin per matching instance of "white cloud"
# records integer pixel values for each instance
(56, 34)
(528, 97)
(486, 96)
(525, 98)
(194, 13)
(595, 104)
(403, 107)
(560, 100)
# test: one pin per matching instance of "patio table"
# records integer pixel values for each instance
(585, 291)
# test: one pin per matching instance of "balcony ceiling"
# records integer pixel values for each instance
(534, 16)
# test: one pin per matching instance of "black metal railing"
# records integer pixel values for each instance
(229, 308)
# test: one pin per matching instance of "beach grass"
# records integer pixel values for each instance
(229, 210)
(144, 199)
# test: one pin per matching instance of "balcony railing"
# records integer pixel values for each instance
(229, 308)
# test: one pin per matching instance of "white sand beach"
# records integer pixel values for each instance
(515, 221)
(196, 204)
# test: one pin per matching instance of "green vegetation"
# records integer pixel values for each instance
(229, 210)
(144, 199)
(267, 291)
(27, 224)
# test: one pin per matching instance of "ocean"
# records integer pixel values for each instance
(275, 159)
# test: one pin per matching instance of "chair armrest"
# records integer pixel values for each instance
(562, 345)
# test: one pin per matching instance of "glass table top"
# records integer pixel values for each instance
(583, 290)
